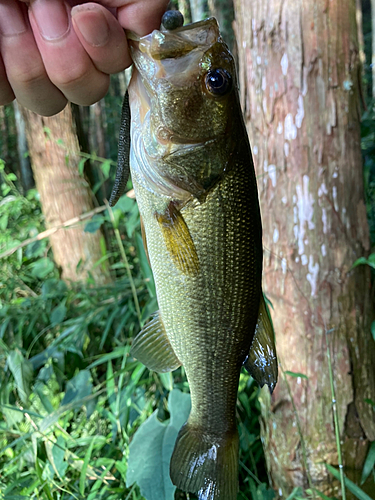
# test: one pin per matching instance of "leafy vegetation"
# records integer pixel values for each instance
(71, 396)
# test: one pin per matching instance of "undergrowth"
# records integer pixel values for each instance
(71, 396)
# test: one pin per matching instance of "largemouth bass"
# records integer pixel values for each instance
(195, 185)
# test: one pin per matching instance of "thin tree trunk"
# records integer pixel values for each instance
(223, 10)
(299, 76)
(198, 10)
(184, 8)
(27, 179)
(64, 195)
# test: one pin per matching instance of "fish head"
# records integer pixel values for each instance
(185, 82)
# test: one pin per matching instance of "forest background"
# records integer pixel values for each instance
(79, 418)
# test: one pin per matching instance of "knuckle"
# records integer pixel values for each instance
(27, 76)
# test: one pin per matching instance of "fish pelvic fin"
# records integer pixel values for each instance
(205, 464)
(178, 240)
(261, 362)
(152, 347)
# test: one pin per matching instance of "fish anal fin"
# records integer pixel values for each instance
(261, 362)
(178, 240)
(152, 347)
(205, 464)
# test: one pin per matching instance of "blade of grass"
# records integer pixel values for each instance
(356, 490)
(82, 477)
(295, 492)
(369, 463)
(303, 446)
(42, 483)
(335, 417)
(126, 262)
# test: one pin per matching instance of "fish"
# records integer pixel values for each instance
(193, 175)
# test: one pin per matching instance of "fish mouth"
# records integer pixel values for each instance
(163, 44)
(173, 55)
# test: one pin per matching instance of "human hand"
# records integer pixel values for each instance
(53, 51)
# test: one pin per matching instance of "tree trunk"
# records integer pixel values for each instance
(198, 10)
(27, 179)
(54, 152)
(299, 78)
(223, 10)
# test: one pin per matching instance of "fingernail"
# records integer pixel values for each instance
(92, 24)
(11, 22)
(52, 18)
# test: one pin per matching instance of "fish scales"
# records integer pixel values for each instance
(195, 185)
(220, 304)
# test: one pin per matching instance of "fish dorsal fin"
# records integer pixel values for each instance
(178, 240)
(152, 347)
(262, 360)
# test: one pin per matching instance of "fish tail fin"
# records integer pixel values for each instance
(205, 464)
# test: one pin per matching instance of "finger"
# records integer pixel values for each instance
(23, 65)
(67, 64)
(141, 16)
(102, 37)
(6, 92)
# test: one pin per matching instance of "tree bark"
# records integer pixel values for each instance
(64, 194)
(299, 77)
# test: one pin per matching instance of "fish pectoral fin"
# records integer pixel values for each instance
(262, 360)
(152, 347)
(178, 240)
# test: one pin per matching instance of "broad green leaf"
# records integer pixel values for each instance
(54, 286)
(125, 204)
(105, 168)
(78, 388)
(3, 222)
(166, 380)
(22, 372)
(81, 166)
(369, 463)
(42, 267)
(94, 224)
(58, 314)
(296, 375)
(58, 452)
(151, 449)
(373, 329)
(371, 260)
(55, 454)
(361, 260)
(356, 490)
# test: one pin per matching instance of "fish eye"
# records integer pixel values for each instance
(218, 82)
